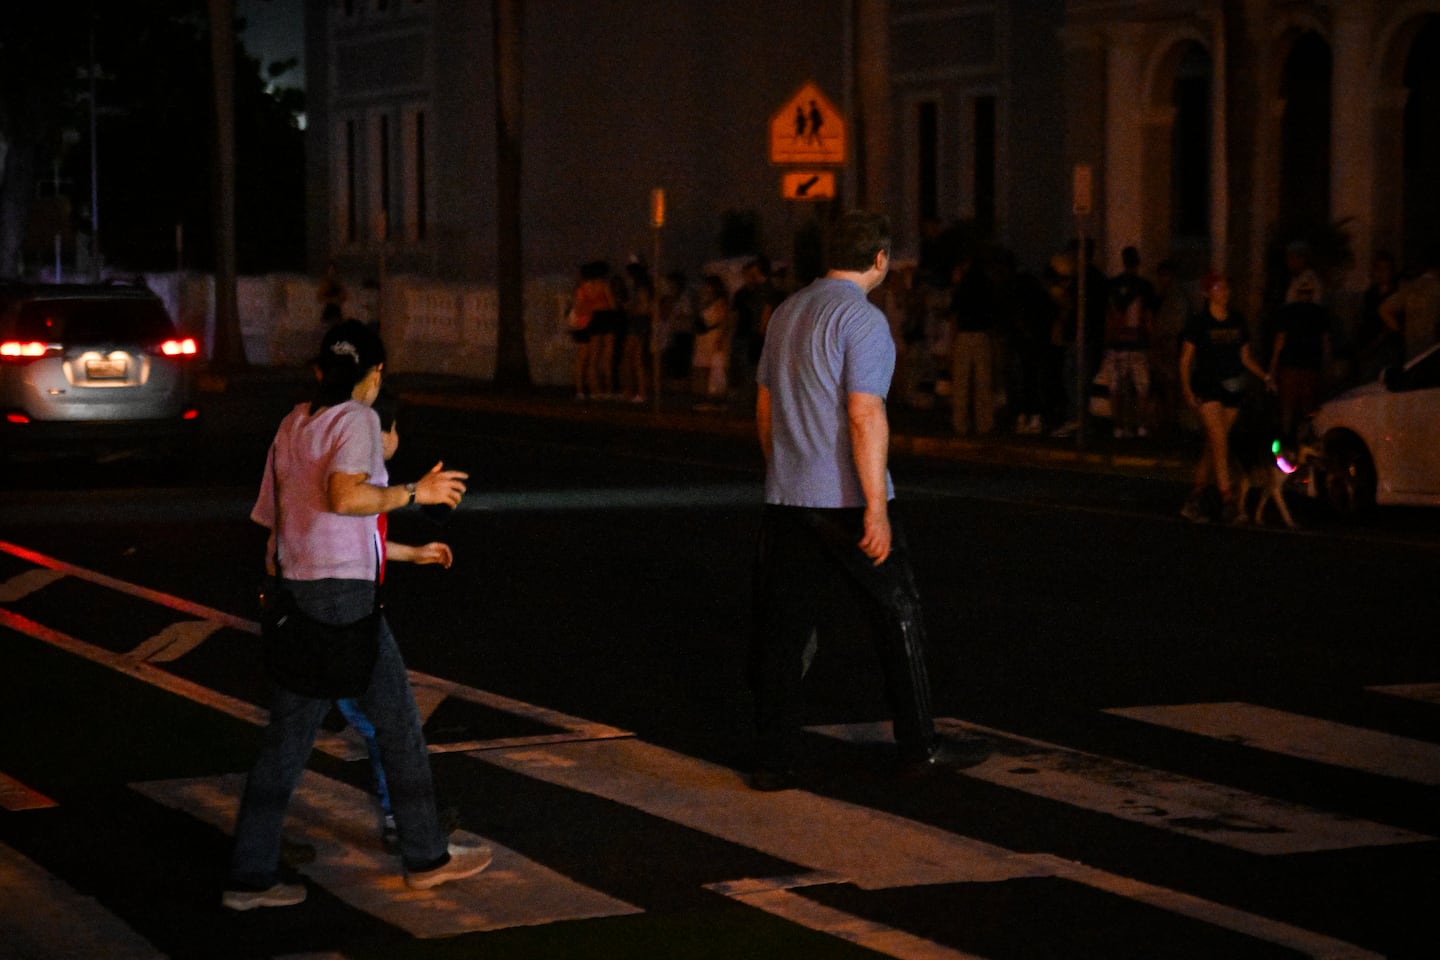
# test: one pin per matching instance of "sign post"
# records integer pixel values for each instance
(1083, 190)
(657, 221)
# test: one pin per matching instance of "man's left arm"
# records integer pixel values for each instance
(762, 419)
(870, 447)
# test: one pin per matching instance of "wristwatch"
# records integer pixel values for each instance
(410, 489)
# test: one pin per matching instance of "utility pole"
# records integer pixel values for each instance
(95, 265)
(512, 366)
(229, 350)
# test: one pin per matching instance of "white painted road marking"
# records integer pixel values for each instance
(774, 896)
(175, 641)
(44, 918)
(1293, 735)
(1424, 692)
(22, 585)
(869, 848)
(817, 832)
(1155, 798)
(339, 820)
(144, 593)
(182, 637)
(16, 796)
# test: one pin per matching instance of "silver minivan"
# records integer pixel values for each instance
(96, 368)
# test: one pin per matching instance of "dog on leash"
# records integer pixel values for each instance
(1268, 472)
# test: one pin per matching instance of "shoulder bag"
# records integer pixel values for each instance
(305, 655)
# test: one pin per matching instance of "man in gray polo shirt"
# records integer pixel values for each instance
(820, 411)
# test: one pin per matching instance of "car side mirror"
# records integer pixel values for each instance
(1393, 377)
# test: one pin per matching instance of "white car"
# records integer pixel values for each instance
(94, 368)
(1381, 442)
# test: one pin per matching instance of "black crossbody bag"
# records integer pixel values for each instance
(304, 655)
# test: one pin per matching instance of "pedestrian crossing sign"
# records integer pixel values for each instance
(808, 130)
(808, 185)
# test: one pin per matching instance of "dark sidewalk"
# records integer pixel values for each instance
(918, 432)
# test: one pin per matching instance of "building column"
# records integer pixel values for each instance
(1124, 142)
(1387, 215)
(1157, 217)
(1352, 133)
(872, 74)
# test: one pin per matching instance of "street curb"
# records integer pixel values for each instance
(995, 449)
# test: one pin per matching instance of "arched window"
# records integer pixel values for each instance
(1305, 133)
(1422, 142)
(1190, 147)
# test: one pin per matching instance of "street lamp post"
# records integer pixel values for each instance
(657, 221)
(94, 166)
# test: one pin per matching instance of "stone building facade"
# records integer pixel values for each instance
(1220, 131)
(950, 105)
(1214, 129)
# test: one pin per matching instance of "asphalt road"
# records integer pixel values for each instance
(1212, 742)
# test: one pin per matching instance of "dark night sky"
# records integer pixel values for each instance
(275, 31)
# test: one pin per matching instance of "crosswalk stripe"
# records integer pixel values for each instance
(430, 691)
(1424, 692)
(180, 638)
(16, 796)
(22, 585)
(144, 593)
(778, 900)
(1155, 798)
(910, 853)
(868, 848)
(44, 918)
(138, 669)
(1294, 735)
(879, 849)
(1305, 942)
(339, 820)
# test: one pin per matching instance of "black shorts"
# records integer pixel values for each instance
(606, 323)
(1224, 393)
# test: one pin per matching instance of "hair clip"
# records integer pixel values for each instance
(344, 348)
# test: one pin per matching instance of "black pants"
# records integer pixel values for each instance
(806, 558)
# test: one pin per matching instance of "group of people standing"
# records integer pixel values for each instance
(709, 339)
(610, 321)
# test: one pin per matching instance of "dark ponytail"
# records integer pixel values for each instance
(347, 353)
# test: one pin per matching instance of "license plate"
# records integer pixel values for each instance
(105, 369)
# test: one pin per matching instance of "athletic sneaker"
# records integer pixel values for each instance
(1230, 512)
(390, 831)
(464, 862)
(948, 753)
(1194, 508)
(279, 895)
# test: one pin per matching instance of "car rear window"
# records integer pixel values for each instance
(94, 321)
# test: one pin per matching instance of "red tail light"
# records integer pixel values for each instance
(16, 417)
(185, 347)
(23, 351)
(190, 414)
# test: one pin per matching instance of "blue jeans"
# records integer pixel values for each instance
(354, 716)
(290, 735)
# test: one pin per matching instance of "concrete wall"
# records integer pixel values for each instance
(429, 326)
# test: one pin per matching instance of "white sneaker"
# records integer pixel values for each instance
(464, 862)
(280, 895)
